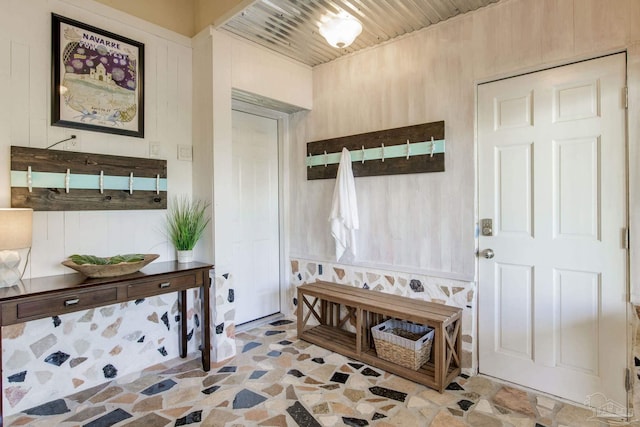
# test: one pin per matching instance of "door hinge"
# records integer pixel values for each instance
(626, 97)
(628, 380)
(627, 238)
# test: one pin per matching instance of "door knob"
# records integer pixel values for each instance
(487, 253)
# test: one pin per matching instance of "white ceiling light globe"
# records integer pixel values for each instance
(341, 30)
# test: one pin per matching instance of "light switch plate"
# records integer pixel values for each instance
(154, 150)
(185, 152)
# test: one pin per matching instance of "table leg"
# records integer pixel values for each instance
(182, 306)
(300, 313)
(1, 373)
(359, 314)
(206, 323)
(458, 339)
(439, 351)
(324, 313)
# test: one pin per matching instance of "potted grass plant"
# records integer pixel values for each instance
(186, 221)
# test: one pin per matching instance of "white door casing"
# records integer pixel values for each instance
(256, 244)
(552, 177)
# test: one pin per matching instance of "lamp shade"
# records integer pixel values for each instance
(15, 228)
(341, 30)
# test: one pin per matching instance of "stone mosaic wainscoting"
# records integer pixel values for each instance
(223, 343)
(57, 356)
(446, 291)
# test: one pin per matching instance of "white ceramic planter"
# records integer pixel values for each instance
(185, 257)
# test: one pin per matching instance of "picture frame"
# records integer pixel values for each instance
(97, 79)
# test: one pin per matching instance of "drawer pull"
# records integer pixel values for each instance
(69, 302)
(165, 285)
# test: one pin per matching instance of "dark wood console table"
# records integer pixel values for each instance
(54, 295)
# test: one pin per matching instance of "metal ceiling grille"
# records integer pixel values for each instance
(290, 27)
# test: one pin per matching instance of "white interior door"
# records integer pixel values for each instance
(551, 165)
(256, 247)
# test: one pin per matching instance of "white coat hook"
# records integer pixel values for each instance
(131, 183)
(408, 150)
(158, 184)
(67, 180)
(433, 145)
(101, 182)
(29, 180)
(363, 154)
(382, 152)
(325, 158)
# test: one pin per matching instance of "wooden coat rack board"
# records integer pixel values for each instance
(410, 149)
(54, 180)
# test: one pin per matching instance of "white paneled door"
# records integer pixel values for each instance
(256, 245)
(553, 274)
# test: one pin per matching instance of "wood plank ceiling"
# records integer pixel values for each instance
(290, 27)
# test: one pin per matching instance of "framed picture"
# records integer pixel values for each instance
(97, 80)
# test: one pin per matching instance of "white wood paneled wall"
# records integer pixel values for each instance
(224, 62)
(425, 222)
(25, 64)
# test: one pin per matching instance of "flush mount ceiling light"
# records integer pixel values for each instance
(340, 31)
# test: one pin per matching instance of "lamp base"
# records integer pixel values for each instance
(9, 268)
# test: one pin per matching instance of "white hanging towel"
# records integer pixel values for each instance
(344, 208)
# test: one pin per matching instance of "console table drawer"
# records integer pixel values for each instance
(140, 290)
(67, 303)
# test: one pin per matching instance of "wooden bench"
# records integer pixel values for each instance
(335, 306)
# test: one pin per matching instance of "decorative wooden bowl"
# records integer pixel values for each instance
(96, 271)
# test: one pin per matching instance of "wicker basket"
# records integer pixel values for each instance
(404, 343)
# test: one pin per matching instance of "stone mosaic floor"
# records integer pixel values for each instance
(278, 381)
